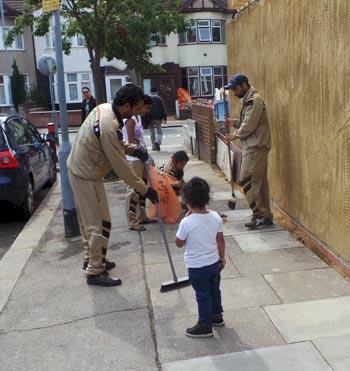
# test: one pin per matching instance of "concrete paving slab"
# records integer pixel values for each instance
(238, 228)
(336, 350)
(306, 285)
(154, 236)
(266, 241)
(157, 254)
(231, 247)
(236, 293)
(291, 357)
(286, 260)
(56, 276)
(115, 341)
(311, 319)
(124, 242)
(244, 329)
(225, 195)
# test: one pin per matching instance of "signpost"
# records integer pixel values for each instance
(192, 133)
(71, 225)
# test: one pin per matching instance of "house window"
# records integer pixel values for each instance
(2, 91)
(72, 80)
(216, 31)
(201, 81)
(206, 81)
(85, 80)
(204, 31)
(80, 40)
(159, 39)
(17, 42)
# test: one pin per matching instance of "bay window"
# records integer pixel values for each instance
(204, 34)
(203, 31)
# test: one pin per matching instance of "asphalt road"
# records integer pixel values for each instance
(11, 223)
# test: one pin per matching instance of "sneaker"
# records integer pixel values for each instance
(200, 330)
(103, 279)
(217, 320)
(154, 148)
(109, 265)
(157, 146)
(257, 222)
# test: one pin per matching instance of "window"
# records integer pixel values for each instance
(216, 31)
(206, 81)
(50, 39)
(80, 40)
(19, 132)
(17, 43)
(85, 80)
(159, 39)
(33, 132)
(201, 81)
(193, 81)
(204, 31)
(2, 90)
(72, 80)
(191, 34)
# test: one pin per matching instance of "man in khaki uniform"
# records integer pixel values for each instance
(254, 131)
(98, 148)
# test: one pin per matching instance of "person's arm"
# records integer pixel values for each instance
(115, 152)
(93, 104)
(181, 234)
(234, 123)
(221, 248)
(180, 243)
(83, 111)
(163, 109)
(130, 128)
(253, 111)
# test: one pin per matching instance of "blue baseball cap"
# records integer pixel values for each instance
(236, 80)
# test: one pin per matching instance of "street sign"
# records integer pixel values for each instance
(50, 5)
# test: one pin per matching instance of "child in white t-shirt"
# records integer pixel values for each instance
(202, 235)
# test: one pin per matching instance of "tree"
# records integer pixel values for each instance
(121, 29)
(17, 86)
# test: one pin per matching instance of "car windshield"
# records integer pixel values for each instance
(2, 140)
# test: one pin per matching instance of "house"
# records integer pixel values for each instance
(195, 60)
(77, 70)
(22, 50)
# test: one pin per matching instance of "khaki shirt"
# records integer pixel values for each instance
(93, 155)
(253, 126)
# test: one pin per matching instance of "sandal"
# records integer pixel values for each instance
(138, 229)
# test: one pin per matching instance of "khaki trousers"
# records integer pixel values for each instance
(254, 182)
(94, 221)
(136, 203)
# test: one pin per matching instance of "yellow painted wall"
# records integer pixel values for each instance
(297, 54)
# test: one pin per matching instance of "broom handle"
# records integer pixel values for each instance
(161, 225)
(228, 145)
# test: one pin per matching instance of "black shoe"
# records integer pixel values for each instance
(156, 146)
(103, 279)
(109, 265)
(217, 320)
(257, 222)
(200, 330)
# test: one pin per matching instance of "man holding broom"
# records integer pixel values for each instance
(253, 129)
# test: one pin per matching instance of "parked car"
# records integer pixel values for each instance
(26, 163)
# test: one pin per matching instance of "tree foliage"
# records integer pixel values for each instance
(17, 86)
(121, 29)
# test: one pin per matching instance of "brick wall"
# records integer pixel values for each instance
(204, 116)
(40, 118)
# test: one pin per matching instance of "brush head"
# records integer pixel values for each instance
(231, 203)
(172, 285)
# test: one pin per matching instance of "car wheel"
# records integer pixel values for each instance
(52, 176)
(27, 207)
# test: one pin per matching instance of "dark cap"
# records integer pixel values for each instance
(236, 80)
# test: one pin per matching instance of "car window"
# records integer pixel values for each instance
(21, 135)
(34, 133)
(2, 140)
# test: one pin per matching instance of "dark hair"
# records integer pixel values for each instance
(148, 100)
(129, 93)
(196, 193)
(154, 89)
(85, 87)
(180, 156)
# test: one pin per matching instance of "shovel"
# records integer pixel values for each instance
(176, 283)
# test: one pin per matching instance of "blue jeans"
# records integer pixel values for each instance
(206, 284)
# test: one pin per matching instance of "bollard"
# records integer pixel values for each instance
(51, 138)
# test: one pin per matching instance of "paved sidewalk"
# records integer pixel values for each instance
(285, 309)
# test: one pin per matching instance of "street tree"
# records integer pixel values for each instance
(121, 29)
(17, 86)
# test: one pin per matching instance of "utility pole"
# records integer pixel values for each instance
(71, 225)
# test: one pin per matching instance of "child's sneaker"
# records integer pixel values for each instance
(217, 320)
(200, 330)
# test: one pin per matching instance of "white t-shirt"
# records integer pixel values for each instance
(138, 133)
(199, 231)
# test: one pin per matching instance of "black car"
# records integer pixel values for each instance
(26, 163)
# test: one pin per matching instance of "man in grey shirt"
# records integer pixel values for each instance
(157, 116)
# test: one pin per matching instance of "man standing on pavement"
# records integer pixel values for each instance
(254, 131)
(88, 104)
(98, 148)
(157, 115)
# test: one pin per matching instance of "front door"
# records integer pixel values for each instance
(113, 84)
(168, 92)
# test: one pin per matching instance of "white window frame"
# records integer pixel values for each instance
(219, 27)
(206, 24)
(76, 41)
(197, 76)
(6, 85)
(192, 27)
(13, 47)
(80, 84)
(202, 75)
(69, 83)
